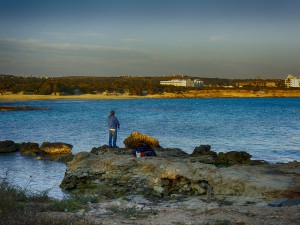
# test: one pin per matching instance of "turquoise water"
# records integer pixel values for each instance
(267, 128)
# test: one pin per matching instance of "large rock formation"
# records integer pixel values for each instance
(181, 175)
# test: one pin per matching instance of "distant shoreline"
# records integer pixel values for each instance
(218, 93)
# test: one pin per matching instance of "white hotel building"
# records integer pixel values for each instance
(292, 81)
(183, 83)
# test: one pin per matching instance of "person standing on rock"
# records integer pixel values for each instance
(113, 126)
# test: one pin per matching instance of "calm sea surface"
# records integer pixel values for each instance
(267, 128)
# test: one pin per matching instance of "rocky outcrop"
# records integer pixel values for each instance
(181, 175)
(63, 158)
(29, 149)
(58, 151)
(8, 146)
(136, 140)
(161, 152)
(204, 154)
(233, 157)
(56, 148)
(204, 150)
(19, 108)
(105, 149)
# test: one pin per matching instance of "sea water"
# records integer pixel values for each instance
(267, 128)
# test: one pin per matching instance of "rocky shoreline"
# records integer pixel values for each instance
(19, 108)
(171, 172)
(174, 187)
(58, 151)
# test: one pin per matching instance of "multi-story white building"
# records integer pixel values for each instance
(183, 82)
(292, 81)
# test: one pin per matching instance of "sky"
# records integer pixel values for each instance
(205, 38)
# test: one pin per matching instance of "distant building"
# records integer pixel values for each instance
(198, 83)
(292, 81)
(183, 83)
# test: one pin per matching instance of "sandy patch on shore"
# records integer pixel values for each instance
(218, 93)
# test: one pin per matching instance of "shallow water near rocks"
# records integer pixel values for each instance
(34, 176)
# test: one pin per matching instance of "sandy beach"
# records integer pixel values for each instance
(218, 93)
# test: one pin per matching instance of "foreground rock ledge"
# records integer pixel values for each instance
(176, 175)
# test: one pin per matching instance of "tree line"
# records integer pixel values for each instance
(91, 85)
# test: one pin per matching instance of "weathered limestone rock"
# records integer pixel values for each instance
(266, 181)
(29, 149)
(233, 157)
(136, 140)
(56, 148)
(162, 152)
(176, 175)
(204, 154)
(105, 149)
(63, 158)
(8, 146)
(203, 150)
(171, 152)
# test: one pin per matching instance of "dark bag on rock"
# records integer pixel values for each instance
(145, 150)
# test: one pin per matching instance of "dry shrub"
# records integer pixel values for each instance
(136, 140)
(21, 208)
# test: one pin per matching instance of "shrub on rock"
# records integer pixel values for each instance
(136, 140)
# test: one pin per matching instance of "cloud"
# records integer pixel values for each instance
(39, 45)
(70, 36)
(132, 40)
(34, 56)
(217, 37)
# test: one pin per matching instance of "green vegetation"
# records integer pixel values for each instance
(17, 206)
(112, 85)
(20, 207)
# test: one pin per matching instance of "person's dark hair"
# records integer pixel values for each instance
(112, 113)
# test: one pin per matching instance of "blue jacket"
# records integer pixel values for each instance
(113, 122)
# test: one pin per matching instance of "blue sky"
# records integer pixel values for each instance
(211, 38)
